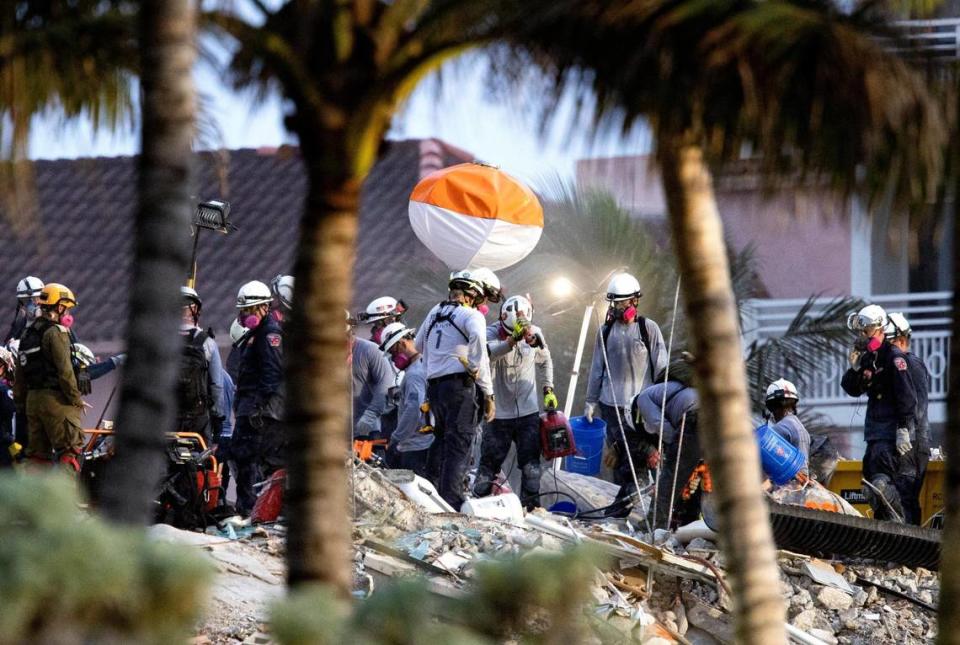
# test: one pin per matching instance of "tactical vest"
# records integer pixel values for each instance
(193, 387)
(39, 371)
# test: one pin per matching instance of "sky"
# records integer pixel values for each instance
(461, 112)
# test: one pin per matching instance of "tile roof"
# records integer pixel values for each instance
(82, 234)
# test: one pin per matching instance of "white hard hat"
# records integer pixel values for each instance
(515, 307)
(897, 325)
(466, 281)
(189, 294)
(253, 293)
(623, 286)
(781, 390)
(29, 287)
(237, 331)
(383, 307)
(282, 288)
(393, 334)
(869, 316)
(83, 355)
(490, 282)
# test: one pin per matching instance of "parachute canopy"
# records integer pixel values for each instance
(472, 215)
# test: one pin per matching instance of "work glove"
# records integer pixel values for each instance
(119, 360)
(369, 423)
(855, 355)
(588, 411)
(14, 449)
(903, 441)
(653, 459)
(489, 408)
(549, 399)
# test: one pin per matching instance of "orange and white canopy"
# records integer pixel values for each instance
(472, 215)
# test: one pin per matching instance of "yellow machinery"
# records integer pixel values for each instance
(846, 483)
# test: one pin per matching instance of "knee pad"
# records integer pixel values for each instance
(884, 498)
(531, 471)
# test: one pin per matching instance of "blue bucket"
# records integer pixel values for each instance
(564, 507)
(589, 439)
(780, 459)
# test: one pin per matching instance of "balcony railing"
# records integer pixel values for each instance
(929, 316)
(938, 38)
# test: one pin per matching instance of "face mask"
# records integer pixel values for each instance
(627, 315)
(483, 309)
(250, 321)
(874, 344)
(67, 320)
(33, 311)
(401, 360)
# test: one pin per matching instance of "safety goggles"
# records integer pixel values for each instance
(856, 322)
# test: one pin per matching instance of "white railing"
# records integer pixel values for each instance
(939, 38)
(928, 314)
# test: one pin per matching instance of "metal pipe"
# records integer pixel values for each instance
(663, 404)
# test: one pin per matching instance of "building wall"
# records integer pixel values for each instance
(802, 237)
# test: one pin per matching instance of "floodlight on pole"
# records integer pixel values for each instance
(562, 287)
(212, 215)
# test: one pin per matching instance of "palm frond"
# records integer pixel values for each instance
(812, 339)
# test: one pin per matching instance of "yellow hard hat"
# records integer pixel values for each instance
(57, 294)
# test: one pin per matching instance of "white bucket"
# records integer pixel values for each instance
(499, 507)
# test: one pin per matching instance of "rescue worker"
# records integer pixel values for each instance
(379, 313)
(915, 454)
(452, 339)
(409, 445)
(282, 288)
(372, 377)
(9, 446)
(200, 406)
(519, 359)
(880, 370)
(781, 400)
(635, 357)
(239, 335)
(28, 308)
(45, 385)
(259, 437)
(676, 405)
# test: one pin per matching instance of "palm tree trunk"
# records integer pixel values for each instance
(949, 619)
(318, 396)
(147, 405)
(729, 445)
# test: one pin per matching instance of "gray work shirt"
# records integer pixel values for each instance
(413, 392)
(516, 371)
(629, 363)
(791, 429)
(681, 400)
(372, 377)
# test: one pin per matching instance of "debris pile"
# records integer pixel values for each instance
(670, 588)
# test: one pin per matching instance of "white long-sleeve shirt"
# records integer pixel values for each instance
(630, 364)
(452, 331)
(516, 371)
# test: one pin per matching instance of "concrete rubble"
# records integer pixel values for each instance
(661, 591)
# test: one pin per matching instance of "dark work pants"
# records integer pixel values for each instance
(909, 481)
(683, 464)
(455, 407)
(497, 437)
(638, 443)
(881, 467)
(257, 453)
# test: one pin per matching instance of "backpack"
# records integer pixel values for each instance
(193, 386)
